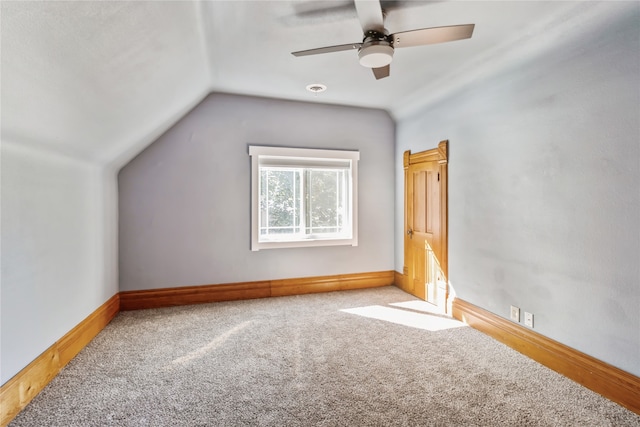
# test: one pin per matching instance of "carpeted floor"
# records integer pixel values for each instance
(355, 358)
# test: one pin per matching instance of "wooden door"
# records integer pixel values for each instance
(426, 224)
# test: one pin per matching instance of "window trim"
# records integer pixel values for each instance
(305, 155)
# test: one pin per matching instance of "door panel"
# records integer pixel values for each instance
(419, 201)
(418, 268)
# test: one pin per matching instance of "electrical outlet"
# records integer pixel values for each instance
(515, 314)
(528, 319)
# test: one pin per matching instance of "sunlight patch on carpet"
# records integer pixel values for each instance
(412, 319)
(216, 342)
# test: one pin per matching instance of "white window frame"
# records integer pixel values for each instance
(303, 156)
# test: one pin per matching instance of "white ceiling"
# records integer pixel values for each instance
(100, 80)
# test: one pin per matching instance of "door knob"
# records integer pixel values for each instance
(410, 232)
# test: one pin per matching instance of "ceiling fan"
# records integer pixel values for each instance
(377, 46)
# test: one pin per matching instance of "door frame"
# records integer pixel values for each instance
(441, 155)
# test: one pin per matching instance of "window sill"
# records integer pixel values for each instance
(303, 243)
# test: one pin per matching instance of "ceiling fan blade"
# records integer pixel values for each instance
(327, 49)
(370, 15)
(381, 72)
(432, 35)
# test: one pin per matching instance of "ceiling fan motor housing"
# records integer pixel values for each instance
(376, 50)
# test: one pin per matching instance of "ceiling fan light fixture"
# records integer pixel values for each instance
(375, 55)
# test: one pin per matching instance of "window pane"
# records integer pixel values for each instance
(279, 201)
(324, 202)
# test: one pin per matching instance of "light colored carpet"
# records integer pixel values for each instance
(315, 360)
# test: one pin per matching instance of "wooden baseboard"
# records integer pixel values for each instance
(168, 297)
(340, 282)
(155, 298)
(609, 381)
(398, 280)
(16, 393)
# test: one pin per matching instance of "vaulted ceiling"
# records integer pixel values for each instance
(101, 80)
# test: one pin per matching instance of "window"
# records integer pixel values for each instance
(303, 197)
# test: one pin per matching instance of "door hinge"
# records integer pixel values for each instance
(438, 176)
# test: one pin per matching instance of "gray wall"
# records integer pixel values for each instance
(184, 202)
(58, 242)
(544, 192)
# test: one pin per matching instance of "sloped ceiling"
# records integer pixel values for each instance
(101, 80)
(90, 78)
